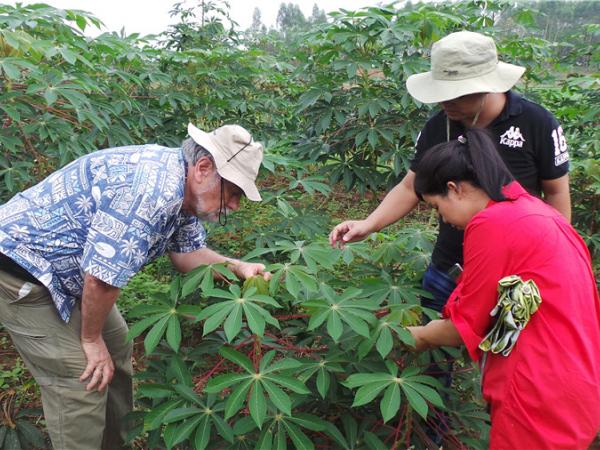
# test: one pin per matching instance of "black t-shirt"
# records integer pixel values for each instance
(529, 140)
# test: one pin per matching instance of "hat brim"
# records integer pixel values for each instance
(223, 169)
(426, 89)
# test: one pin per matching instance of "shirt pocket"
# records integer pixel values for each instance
(28, 294)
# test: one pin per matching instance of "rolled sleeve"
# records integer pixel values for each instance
(464, 326)
(470, 303)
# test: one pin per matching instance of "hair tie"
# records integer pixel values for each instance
(462, 139)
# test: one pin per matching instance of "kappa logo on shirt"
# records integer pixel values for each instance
(512, 138)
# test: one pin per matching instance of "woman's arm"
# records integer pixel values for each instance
(436, 333)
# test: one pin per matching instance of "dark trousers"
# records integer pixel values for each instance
(440, 285)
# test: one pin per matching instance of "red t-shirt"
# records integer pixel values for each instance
(546, 393)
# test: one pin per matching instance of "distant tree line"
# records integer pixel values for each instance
(290, 18)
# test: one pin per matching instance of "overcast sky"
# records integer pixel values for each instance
(152, 16)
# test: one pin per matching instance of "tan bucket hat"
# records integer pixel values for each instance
(236, 155)
(463, 63)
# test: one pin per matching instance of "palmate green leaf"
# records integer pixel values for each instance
(385, 342)
(416, 401)
(155, 391)
(50, 95)
(428, 393)
(280, 439)
(259, 298)
(300, 440)
(11, 440)
(236, 399)
(174, 332)
(266, 360)
(257, 404)
(334, 326)
(404, 335)
(154, 418)
(238, 358)
(323, 381)
(356, 324)
(317, 319)
(220, 382)
(155, 334)
(169, 435)
(308, 421)
(180, 414)
(146, 310)
(292, 284)
(179, 370)
(185, 430)
(233, 323)
(75, 98)
(234, 308)
(289, 383)
(368, 392)
(188, 393)
(31, 434)
(265, 442)
(360, 379)
(202, 436)
(223, 428)
(335, 434)
(174, 290)
(215, 314)
(254, 318)
(373, 138)
(189, 311)
(10, 70)
(282, 364)
(374, 442)
(138, 328)
(193, 279)
(303, 277)
(278, 397)
(309, 98)
(390, 404)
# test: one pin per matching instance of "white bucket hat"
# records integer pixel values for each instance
(236, 155)
(463, 63)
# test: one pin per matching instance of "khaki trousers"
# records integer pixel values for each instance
(51, 349)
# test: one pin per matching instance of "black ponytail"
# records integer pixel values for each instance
(473, 158)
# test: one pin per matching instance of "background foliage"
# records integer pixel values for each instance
(317, 358)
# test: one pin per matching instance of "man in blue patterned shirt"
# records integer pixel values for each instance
(68, 244)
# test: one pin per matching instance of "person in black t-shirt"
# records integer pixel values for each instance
(473, 90)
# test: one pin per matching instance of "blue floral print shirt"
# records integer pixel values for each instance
(107, 214)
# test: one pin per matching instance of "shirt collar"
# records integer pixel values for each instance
(513, 107)
(511, 191)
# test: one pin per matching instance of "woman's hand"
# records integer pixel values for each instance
(349, 231)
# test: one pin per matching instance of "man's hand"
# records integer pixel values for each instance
(99, 367)
(247, 269)
(349, 231)
(97, 301)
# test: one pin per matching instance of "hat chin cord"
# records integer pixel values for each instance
(222, 207)
(481, 105)
(475, 119)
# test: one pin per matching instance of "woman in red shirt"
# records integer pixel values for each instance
(546, 393)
